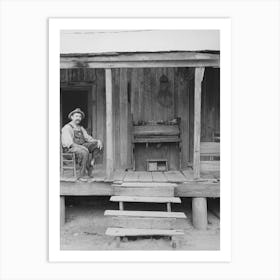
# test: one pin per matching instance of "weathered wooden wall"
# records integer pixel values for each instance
(210, 104)
(147, 105)
(136, 97)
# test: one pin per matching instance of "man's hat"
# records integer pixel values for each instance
(77, 110)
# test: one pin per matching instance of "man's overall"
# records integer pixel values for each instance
(83, 150)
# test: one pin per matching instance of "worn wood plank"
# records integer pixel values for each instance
(158, 177)
(100, 107)
(144, 130)
(109, 125)
(142, 232)
(86, 189)
(198, 189)
(139, 191)
(174, 176)
(116, 122)
(158, 199)
(141, 56)
(149, 184)
(189, 189)
(123, 118)
(145, 176)
(144, 223)
(119, 175)
(94, 110)
(199, 72)
(209, 148)
(188, 173)
(131, 176)
(209, 166)
(155, 214)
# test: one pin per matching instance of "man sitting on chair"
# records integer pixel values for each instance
(75, 139)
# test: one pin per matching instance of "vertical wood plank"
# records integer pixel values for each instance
(93, 108)
(100, 109)
(199, 72)
(109, 124)
(116, 123)
(183, 91)
(123, 118)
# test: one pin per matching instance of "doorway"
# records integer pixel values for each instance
(72, 98)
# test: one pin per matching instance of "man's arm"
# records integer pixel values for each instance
(67, 136)
(90, 139)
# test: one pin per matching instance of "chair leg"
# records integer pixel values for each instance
(74, 164)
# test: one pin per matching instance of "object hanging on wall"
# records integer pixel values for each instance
(164, 96)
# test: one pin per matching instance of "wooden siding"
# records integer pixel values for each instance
(136, 97)
(210, 104)
(77, 75)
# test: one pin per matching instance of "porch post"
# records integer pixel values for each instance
(199, 204)
(199, 213)
(199, 72)
(62, 210)
(109, 124)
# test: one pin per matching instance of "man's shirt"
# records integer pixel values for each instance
(67, 135)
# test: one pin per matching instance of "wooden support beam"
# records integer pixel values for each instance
(199, 73)
(62, 210)
(168, 207)
(109, 124)
(93, 108)
(123, 119)
(121, 205)
(199, 213)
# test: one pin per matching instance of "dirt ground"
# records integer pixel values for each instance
(86, 225)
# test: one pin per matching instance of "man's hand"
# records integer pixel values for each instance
(99, 144)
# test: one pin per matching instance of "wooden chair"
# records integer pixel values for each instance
(67, 162)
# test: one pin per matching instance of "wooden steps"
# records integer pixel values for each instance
(151, 214)
(142, 222)
(142, 232)
(159, 199)
(147, 184)
(146, 191)
(125, 223)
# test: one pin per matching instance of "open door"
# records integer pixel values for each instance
(72, 98)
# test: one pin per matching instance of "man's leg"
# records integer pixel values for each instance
(93, 149)
(83, 156)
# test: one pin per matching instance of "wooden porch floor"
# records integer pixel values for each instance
(120, 176)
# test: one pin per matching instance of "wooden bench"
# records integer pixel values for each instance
(147, 199)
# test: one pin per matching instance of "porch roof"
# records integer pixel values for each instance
(203, 58)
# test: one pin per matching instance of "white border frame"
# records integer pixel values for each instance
(57, 255)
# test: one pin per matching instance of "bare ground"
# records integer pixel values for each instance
(86, 225)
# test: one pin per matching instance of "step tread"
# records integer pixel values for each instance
(178, 215)
(141, 232)
(146, 184)
(154, 199)
(139, 191)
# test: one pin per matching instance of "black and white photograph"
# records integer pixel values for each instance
(140, 140)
